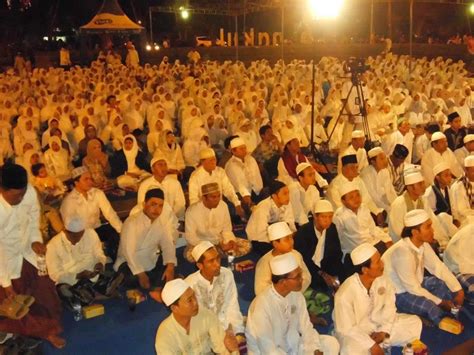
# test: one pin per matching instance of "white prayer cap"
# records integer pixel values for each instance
(76, 172)
(437, 136)
(74, 224)
(301, 166)
(362, 253)
(415, 218)
(413, 178)
(200, 249)
(346, 188)
(283, 264)
(157, 157)
(207, 153)
(357, 134)
(468, 138)
(236, 142)
(469, 161)
(323, 206)
(173, 290)
(440, 167)
(278, 230)
(374, 152)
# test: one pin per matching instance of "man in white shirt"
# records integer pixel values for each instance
(209, 220)
(142, 241)
(303, 193)
(356, 147)
(209, 172)
(278, 322)
(215, 288)
(88, 203)
(466, 150)
(21, 248)
(459, 258)
(396, 166)
(377, 179)
(405, 263)
(243, 172)
(364, 308)
(276, 208)
(191, 329)
(463, 193)
(355, 225)
(439, 152)
(171, 187)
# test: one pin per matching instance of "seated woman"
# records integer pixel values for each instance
(57, 160)
(129, 165)
(172, 152)
(97, 162)
(90, 133)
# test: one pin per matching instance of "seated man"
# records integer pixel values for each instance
(463, 194)
(89, 203)
(364, 308)
(396, 166)
(209, 220)
(191, 329)
(466, 150)
(318, 242)
(242, 170)
(303, 193)
(214, 287)
(357, 148)
(278, 322)
(459, 257)
(355, 224)
(267, 152)
(276, 208)
(433, 296)
(169, 184)
(21, 252)
(281, 237)
(142, 241)
(75, 260)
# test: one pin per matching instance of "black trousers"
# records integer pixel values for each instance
(109, 236)
(131, 281)
(261, 248)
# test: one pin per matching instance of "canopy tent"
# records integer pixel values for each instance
(111, 19)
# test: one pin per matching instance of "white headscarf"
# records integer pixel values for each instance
(131, 154)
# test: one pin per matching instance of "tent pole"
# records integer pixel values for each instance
(151, 25)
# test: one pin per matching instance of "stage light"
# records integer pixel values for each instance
(184, 13)
(157, 47)
(325, 8)
(148, 47)
(471, 8)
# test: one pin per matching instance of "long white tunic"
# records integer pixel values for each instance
(358, 313)
(280, 325)
(201, 177)
(459, 254)
(379, 186)
(220, 297)
(19, 228)
(142, 241)
(65, 260)
(266, 213)
(302, 201)
(244, 175)
(432, 157)
(460, 205)
(405, 264)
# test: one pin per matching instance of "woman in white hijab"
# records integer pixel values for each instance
(153, 138)
(248, 134)
(172, 151)
(57, 160)
(129, 165)
(24, 133)
(197, 141)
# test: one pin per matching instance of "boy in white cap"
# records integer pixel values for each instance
(278, 322)
(281, 238)
(208, 172)
(405, 263)
(355, 225)
(356, 147)
(210, 220)
(463, 193)
(319, 244)
(215, 288)
(191, 329)
(459, 257)
(439, 152)
(365, 311)
(377, 179)
(147, 254)
(171, 187)
(303, 193)
(466, 150)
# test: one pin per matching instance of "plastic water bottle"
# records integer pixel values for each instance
(408, 349)
(386, 345)
(230, 260)
(77, 311)
(41, 263)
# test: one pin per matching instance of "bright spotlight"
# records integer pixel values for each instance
(325, 8)
(148, 47)
(184, 13)
(157, 47)
(471, 8)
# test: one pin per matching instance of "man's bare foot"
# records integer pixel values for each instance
(56, 341)
(317, 320)
(156, 294)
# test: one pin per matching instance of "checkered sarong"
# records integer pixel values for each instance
(409, 303)
(467, 283)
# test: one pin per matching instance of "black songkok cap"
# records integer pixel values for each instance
(13, 176)
(275, 186)
(400, 151)
(158, 193)
(349, 159)
(452, 116)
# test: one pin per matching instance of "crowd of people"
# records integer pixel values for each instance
(205, 146)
